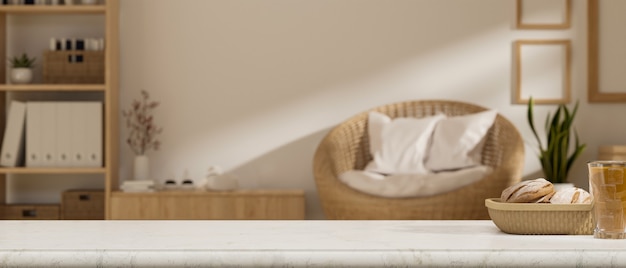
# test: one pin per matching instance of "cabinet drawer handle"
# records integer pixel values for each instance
(29, 213)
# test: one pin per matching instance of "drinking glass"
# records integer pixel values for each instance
(608, 189)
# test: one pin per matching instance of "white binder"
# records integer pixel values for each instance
(13, 140)
(48, 134)
(78, 134)
(33, 134)
(93, 152)
(63, 137)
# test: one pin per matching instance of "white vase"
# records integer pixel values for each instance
(141, 167)
(21, 75)
(561, 186)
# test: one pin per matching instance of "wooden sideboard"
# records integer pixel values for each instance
(612, 152)
(209, 205)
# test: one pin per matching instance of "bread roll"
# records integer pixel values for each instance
(571, 196)
(545, 198)
(529, 191)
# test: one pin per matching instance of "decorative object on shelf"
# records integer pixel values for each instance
(89, 2)
(73, 67)
(142, 133)
(22, 72)
(138, 186)
(219, 181)
(141, 167)
(554, 157)
(187, 183)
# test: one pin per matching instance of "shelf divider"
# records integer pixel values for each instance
(53, 87)
(51, 170)
(50, 9)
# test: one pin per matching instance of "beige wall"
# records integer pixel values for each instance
(253, 86)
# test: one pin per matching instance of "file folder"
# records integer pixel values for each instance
(33, 134)
(13, 140)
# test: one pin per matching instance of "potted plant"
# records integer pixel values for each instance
(21, 72)
(555, 157)
(142, 133)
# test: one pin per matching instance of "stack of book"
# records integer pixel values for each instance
(135, 186)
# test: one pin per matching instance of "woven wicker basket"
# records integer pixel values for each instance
(541, 219)
(73, 67)
(29, 212)
(81, 204)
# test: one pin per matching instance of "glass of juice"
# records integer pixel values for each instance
(608, 189)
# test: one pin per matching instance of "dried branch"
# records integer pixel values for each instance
(143, 131)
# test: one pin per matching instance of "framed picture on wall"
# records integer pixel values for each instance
(607, 54)
(542, 71)
(543, 14)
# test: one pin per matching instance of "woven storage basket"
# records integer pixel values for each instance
(83, 205)
(73, 67)
(30, 212)
(346, 147)
(541, 219)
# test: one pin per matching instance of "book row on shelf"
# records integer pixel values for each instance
(78, 44)
(53, 134)
(51, 2)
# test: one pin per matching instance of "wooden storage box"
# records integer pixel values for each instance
(73, 67)
(612, 152)
(30, 212)
(82, 205)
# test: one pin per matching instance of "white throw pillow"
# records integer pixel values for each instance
(399, 146)
(412, 185)
(458, 141)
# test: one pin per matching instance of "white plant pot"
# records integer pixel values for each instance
(561, 186)
(141, 168)
(21, 75)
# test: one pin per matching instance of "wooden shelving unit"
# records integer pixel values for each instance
(108, 91)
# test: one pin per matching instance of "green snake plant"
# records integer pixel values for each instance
(555, 158)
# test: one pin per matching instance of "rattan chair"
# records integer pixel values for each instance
(346, 147)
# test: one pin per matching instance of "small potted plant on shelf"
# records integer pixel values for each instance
(142, 133)
(21, 69)
(555, 157)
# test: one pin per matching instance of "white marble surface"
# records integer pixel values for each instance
(293, 244)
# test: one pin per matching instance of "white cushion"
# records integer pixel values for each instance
(399, 146)
(412, 185)
(458, 141)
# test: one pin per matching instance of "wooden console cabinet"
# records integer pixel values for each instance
(208, 205)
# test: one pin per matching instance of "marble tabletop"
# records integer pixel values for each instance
(294, 244)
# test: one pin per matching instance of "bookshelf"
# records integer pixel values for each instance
(107, 92)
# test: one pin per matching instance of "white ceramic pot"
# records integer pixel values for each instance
(141, 167)
(561, 186)
(21, 75)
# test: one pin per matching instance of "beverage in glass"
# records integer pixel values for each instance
(608, 189)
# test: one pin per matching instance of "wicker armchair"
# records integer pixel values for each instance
(346, 147)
